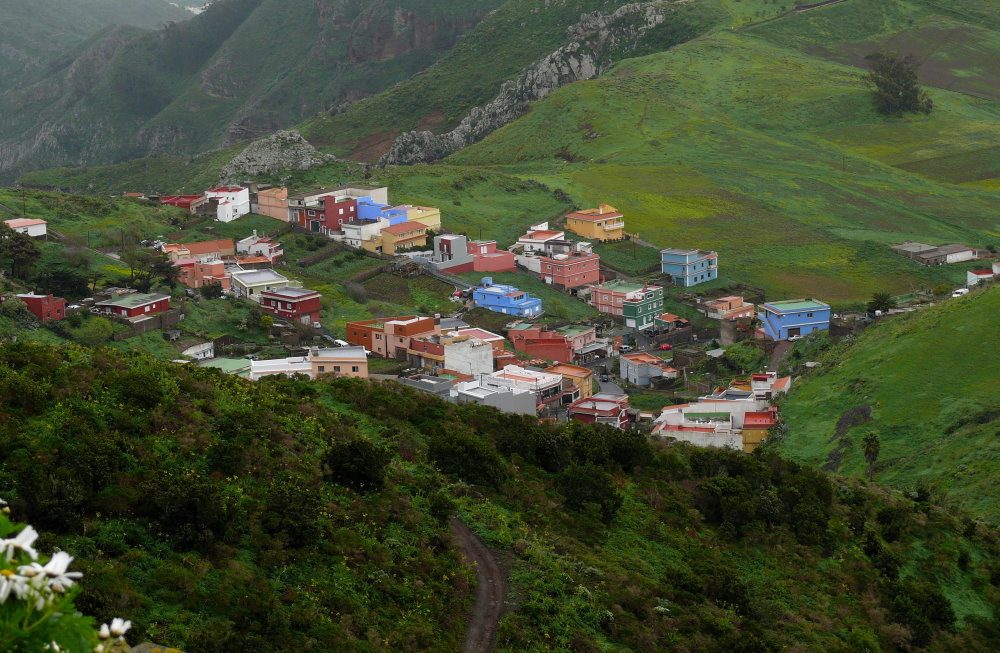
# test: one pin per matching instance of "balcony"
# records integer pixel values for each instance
(614, 225)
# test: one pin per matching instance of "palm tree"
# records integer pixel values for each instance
(870, 444)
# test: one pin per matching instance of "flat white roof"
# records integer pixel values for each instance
(257, 276)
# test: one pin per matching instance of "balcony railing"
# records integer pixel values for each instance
(615, 225)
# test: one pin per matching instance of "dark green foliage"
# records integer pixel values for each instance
(357, 464)
(894, 82)
(442, 506)
(583, 484)
(470, 458)
(922, 607)
(211, 290)
(881, 301)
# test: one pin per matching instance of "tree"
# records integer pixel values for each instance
(870, 444)
(894, 83)
(20, 249)
(583, 484)
(162, 267)
(96, 331)
(881, 301)
(357, 464)
(212, 290)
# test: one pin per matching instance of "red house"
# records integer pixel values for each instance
(45, 307)
(571, 270)
(295, 304)
(135, 304)
(601, 408)
(189, 202)
(327, 214)
(539, 343)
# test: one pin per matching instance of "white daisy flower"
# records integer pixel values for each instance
(22, 542)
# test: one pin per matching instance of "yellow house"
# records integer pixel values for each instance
(405, 235)
(601, 224)
(428, 216)
(581, 377)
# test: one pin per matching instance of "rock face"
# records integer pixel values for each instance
(283, 150)
(596, 43)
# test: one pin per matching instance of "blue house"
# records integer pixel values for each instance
(368, 209)
(794, 317)
(687, 267)
(505, 299)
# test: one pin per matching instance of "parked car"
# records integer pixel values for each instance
(625, 348)
(959, 292)
(665, 347)
(794, 338)
(605, 378)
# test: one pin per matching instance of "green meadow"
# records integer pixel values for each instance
(929, 379)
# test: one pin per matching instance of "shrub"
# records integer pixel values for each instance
(583, 484)
(357, 464)
(468, 457)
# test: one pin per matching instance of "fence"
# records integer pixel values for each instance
(155, 322)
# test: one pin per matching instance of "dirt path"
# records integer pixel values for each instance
(779, 352)
(490, 590)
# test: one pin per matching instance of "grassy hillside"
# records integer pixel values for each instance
(745, 143)
(240, 69)
(929, 380)
(39, 36)
(286, 515)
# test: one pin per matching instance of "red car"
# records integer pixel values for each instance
(665, 347)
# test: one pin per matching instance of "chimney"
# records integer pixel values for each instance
(437, 319)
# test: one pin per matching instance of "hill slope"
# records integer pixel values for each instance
(287, 515)
(929, 383)
(38, 36)
(240, 69)
(746, 143)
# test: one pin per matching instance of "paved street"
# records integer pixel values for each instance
(610, 388)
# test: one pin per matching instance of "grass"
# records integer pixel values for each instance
(929, 378)
(771, 156)
(629, 257)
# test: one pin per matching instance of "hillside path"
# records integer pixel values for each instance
(779, 352)
(490, 590)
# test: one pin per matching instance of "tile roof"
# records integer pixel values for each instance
(209, 246)
(23, 222)
(404, 228)
(134, 300)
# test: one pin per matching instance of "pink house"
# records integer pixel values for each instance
(195, 274)
(487, 258)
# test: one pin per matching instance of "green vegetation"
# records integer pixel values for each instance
(221, 514)
(926, 383)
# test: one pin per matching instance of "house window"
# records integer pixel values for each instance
(311, 212)
(341, 212)
(809, 314)
(336, 368)
(354, 368)
(322, 368)
(147, 309)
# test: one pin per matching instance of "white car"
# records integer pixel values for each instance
(794, 338)
(959, 292)
(625, 348)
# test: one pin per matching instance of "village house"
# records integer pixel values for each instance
(209, 250)
(506, 299)
(764, 385)
(639, 368)
(637, 305)
(455, 253)
(581, 377)
(331, 206)
(974, 277)
(740, 423)
(293, 304)
(402, 236)
(601, 224)
(200, 351)
(45, 307)
(539, 342)
(134, 304)
(273, 202)
(578, 335)
(255, 245)
(569, 271)
(549, 389)
(667, 322)
(514, 401)
(794, 317)
(728, 308)
(451, 352)
(390, 337)
(251, 283)
(340, 361)
(190, 203)
(601, 408)
(428, 216)
(29, 226)
(232, 202)
(935, 254)
(197, 274)
(689, 267)
(540, 239)
(359, 232)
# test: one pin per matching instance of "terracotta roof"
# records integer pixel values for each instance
(542, 235)
(226, 189)
(23, 222)
(403, 228)
(982, 273)
(209, 246)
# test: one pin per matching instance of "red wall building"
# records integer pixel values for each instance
(296, 304)
(45, 307)
(602, 408)
(328, 214)
(538, 343)
(135, 304)
(571, 270)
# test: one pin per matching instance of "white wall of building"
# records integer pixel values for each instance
(472, 356)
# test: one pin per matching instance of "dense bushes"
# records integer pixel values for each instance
(357, 464)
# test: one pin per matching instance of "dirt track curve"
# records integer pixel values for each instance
(490, 590)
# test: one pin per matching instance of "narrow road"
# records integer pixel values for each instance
(490, 590)
(779, 352)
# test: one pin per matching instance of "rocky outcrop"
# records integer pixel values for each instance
(596, 43)
(283, 150)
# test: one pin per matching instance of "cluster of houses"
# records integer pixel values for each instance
(738, 417)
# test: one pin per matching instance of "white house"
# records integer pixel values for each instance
(362, 230)
(234, 202)
(250, 283)
(973, 277)
(259, 246)
(32, 227)
(539, 238)
(467, 355)
(201, 351)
